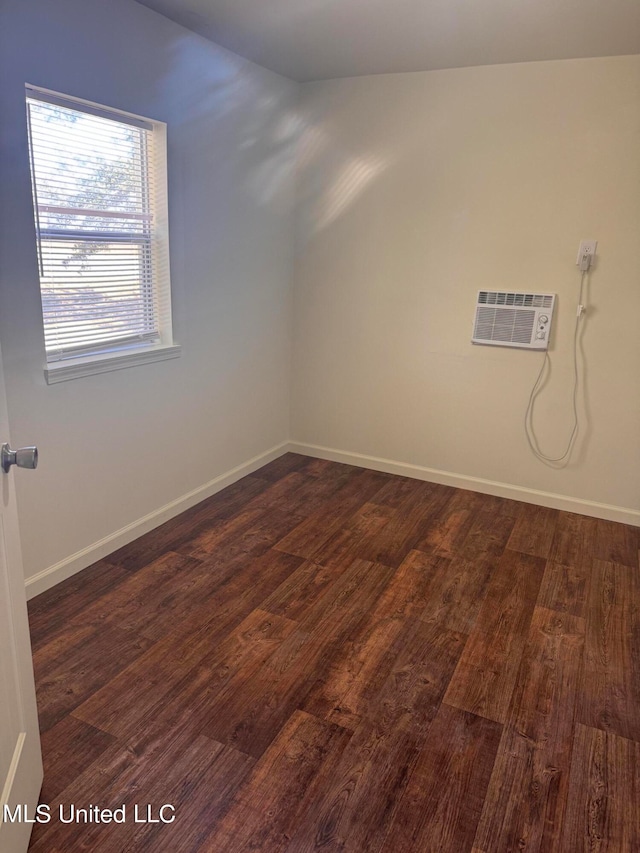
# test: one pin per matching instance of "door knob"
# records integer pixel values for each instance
(24, 457)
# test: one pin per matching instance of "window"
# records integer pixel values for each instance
(99, 190)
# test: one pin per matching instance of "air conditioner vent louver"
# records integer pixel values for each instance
(513, 319)
(533, 300)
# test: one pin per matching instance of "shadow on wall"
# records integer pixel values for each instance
(209, 87)
(212, 88)
(351, 173)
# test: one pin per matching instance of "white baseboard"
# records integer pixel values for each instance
(474, 484)
(64, 569)
(53, 575)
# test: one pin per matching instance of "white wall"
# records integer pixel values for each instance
(416, 190)
(118, 446)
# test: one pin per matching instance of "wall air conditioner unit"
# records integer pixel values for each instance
(513, 319)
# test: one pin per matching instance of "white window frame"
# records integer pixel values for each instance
(102, 358)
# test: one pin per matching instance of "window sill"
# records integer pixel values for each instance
(75, 368)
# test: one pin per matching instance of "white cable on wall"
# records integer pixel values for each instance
(563, 460)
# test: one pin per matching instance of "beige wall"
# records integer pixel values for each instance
(117, 447)
(416, 190)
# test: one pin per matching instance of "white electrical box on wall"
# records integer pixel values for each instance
(513, 319)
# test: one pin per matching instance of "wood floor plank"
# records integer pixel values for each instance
(67, 749)
(534, 530)
(138, 693)
(52, 610)
(485, 676)
(283, 465)
(564, 588)
(322, 468)
(488, 536)
(574, 540)
(419, 677)
(451, 526)
(355, 537)
(610, 677)
(441, 806)
(399, 492)
(248, 526)
(360, 667)
(526, 799)
(189, 789)
(187, 526)
(301, 590)
(411, 522)
(100, 657)
(280, 786)
(251, 710)
(120, 776)
(260, 524)
(456, 590)
(616, 543)
(312, 533)
(354, 810)
(236, 588)
(604, 792)
(343, 595)
(143, 603)
(357, 805)
(273, 516)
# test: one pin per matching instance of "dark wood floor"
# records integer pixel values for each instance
(327, 658)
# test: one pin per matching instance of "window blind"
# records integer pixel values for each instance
(95, 191)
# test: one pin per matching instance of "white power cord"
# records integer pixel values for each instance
(563, 460)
